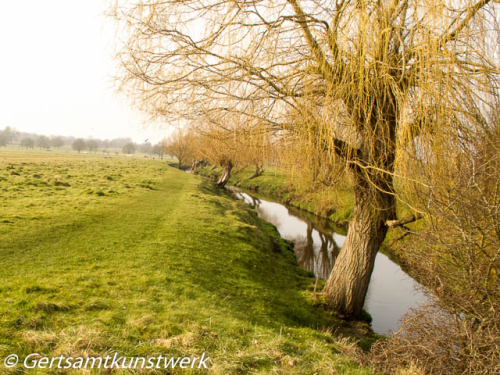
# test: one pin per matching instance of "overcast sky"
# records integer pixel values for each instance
(56, 65)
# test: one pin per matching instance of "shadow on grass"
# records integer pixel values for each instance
(263, 272)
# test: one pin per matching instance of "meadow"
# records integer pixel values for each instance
(104, 255)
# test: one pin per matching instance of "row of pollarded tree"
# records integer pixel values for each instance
(386, 89)
(226, 142)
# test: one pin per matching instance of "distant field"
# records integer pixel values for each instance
(48, 186)
(68, 150)
(103, 255)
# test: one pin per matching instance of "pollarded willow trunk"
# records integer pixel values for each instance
(259, 169)
(226, 174)
(347, 285)
(195, 164)
(374, 205)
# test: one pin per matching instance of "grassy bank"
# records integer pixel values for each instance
(105, 255)
(334, 203)
(331, 202)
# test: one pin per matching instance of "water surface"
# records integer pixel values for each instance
(391, 292)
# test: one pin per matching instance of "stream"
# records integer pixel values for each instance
(391, 292)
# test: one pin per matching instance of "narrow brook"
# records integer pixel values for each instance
(391, 292)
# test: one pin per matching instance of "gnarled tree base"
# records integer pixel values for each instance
(346, 288)
(226, 174)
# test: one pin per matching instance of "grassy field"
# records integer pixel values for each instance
(119, 255)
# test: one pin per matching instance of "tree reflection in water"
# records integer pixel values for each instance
(315, 246)
(315, 256)
(391, 293)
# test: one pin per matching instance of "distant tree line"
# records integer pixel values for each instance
(7, 136)
(129, 148)
(32, 140)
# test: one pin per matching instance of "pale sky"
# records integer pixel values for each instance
(55, 64)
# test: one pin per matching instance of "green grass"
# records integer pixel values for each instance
(160, 263)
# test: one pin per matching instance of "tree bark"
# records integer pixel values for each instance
(347, 285)
(195, 165)
(374, 205)
(226, 174)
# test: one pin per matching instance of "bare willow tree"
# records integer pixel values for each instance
(220, 149)
(365, 81)
(181, 145)
(227, 139)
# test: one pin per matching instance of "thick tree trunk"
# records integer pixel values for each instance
(374, 200)
(226, 174)
(196, 164)
(347, 285)
(258, 172)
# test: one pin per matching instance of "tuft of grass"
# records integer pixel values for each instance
(61, 183)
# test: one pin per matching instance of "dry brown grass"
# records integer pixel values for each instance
(457, 257)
